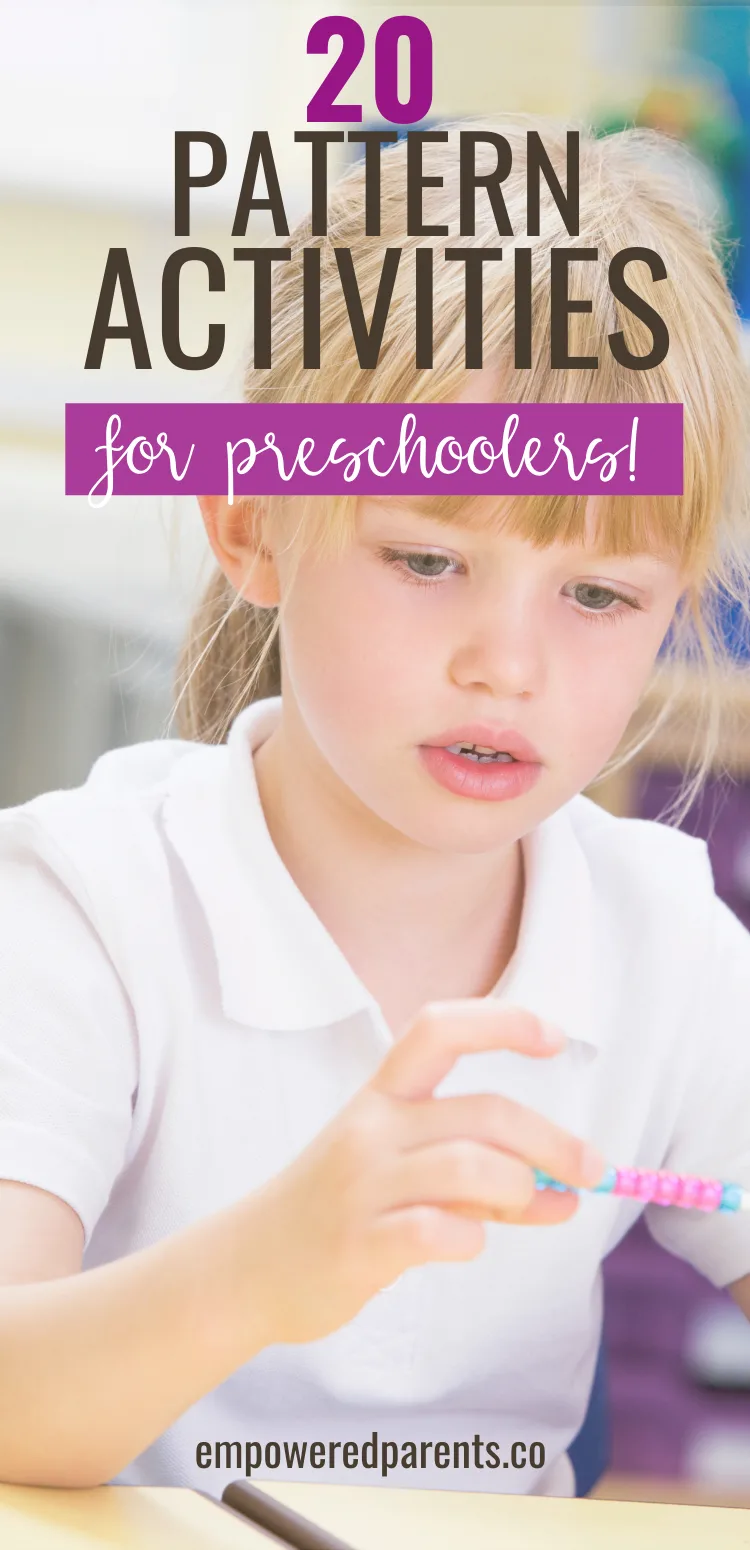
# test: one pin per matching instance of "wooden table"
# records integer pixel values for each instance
(121, 1517)
(367, 1517)
(371, 1518)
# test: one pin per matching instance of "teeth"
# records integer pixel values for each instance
(479, 753)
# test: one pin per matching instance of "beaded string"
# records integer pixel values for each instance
(663, 1189)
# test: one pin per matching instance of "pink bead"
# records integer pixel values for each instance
(646, 1185)
(627, 1181)
(690, 1192)
(666, 1189)
(710, 1195)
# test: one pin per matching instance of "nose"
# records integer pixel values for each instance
(500, 647)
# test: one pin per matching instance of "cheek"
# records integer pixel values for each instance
(355, 649)
(606, 673)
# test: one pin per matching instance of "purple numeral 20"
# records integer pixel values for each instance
(323, 107)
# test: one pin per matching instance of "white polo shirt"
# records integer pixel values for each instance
(176, 1024)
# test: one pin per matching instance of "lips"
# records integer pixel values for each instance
(485, 778)
(482, 734)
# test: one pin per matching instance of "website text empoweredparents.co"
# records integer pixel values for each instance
(376, 1453)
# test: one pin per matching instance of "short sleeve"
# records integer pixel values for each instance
(712, 1134)
(68, 1051)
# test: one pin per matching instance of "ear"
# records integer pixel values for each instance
(235, 534)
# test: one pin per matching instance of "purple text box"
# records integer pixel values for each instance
(372, 449)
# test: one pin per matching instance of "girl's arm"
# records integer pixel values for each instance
(95, 1366)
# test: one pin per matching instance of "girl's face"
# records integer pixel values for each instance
(423, 630)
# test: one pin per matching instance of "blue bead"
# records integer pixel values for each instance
(546, 1181)
(607, 1184)
(731, 1198)
(543, 1180)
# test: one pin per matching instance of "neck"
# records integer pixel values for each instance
(398, 910)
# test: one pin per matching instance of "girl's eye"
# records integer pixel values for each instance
(596, 602)
(422, 568)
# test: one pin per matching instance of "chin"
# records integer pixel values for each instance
(470, 828)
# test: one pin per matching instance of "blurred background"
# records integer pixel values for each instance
(93, 604)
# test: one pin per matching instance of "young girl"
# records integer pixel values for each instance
(288, 1020)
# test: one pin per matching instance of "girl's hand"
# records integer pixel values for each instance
(400, 1177)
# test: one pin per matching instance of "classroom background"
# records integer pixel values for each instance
(93, 604)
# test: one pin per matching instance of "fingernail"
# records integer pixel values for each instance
(592, 1167)
(552, 1036)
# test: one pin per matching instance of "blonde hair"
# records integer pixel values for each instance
(637, 189)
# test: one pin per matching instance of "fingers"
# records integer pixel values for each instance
(461, 1172)
(549, 1208)
(444, 1030)
(414, 1235)
(496, 1121)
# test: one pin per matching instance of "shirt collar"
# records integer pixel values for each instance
(280, 969)
(552, 971)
